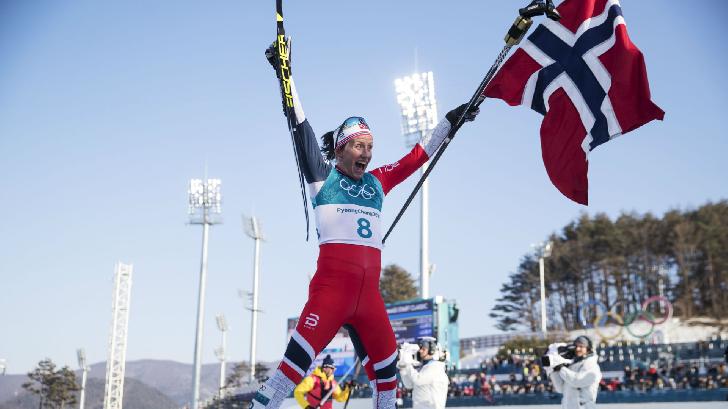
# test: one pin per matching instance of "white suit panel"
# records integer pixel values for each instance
(579, 383)
(429, 385)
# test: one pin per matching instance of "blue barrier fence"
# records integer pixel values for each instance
(680, 395)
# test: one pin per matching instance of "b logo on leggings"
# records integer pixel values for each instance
(311, 321)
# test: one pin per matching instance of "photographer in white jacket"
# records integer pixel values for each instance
(578, 381)
(429, 384)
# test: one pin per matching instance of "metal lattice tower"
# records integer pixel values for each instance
(114, 390)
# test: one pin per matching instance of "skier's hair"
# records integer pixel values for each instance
(327, 145)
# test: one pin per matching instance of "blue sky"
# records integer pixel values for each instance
(107, 109)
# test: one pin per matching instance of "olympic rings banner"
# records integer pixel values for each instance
(639, 321)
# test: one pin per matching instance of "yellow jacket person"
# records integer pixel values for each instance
(315, 387)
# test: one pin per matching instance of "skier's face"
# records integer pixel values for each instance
(328, 371)
(353, 159)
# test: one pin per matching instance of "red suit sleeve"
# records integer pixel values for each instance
(395, 173)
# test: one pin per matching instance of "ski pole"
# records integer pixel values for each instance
(328, 394)
(356, 375)
(284, 77)
(515, 34)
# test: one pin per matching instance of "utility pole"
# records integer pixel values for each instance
(204, 204)
(220, 352)
(253, 230)
(81, 354)
(543, 250)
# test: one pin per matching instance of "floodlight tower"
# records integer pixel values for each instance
(81, 354)
(416, 99)
(220, 352)
(116, 363)
(3, 366)
(543, 250)
(253, 230)
(204, 205)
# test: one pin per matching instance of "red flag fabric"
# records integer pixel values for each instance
(588, 80)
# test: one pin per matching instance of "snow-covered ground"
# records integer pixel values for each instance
(367, 404)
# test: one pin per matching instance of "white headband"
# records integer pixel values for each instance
(353, 127)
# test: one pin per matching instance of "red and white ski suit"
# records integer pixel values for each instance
(345, 289)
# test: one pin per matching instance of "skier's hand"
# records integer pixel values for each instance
(272, 54)
(310, 407)
(453, 115)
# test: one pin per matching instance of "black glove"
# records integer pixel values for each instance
(310, 407)
(350, 384)
(272, 55)
(453, 115)
(558, 367)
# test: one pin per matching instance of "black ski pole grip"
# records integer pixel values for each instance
(518, 30)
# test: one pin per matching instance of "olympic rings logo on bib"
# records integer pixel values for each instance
(636, 322)
(356, 191)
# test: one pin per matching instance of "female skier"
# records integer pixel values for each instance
(347, 201)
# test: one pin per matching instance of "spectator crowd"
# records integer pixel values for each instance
(523, 374)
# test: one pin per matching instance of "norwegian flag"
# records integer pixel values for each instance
(588, 80)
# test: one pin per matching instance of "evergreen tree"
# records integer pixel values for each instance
(396, 284)
(55, 388)
(682, 256)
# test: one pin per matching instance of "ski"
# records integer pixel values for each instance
(284, 79)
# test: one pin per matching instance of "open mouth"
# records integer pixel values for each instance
(360, 166)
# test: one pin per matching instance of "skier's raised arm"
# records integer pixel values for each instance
(393, 174)
(310, 161)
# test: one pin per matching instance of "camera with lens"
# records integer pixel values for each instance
(408, 354)
(557, 354)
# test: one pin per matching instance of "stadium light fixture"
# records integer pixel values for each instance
(416, 99)
(418, 108)
(204, 201)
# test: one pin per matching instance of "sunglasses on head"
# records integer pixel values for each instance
(355, 121)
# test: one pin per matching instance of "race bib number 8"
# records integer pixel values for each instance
(364, 230)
